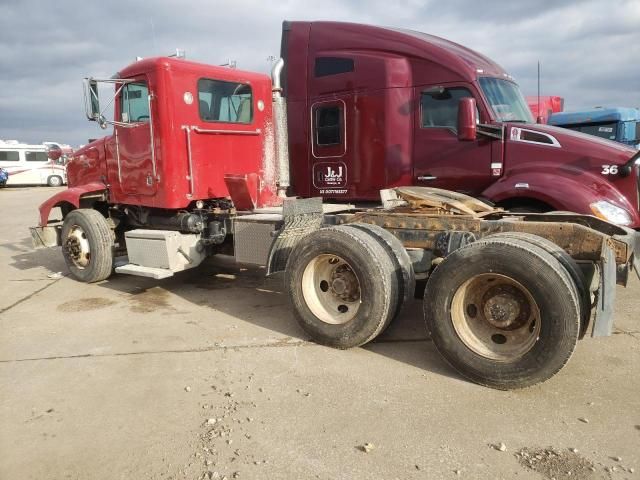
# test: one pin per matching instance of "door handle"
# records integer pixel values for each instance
(427, 178)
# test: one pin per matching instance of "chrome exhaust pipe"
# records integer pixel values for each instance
(281, 135)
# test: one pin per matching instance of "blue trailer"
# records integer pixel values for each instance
(619, 124)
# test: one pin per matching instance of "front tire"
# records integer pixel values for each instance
(55, 181)
(87, 245)
(503, 313)
(342, 285)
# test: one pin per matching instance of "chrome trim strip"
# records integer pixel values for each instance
(516, 133)
(118, 156)
(153, 147)
(187, 129)
(225, 132)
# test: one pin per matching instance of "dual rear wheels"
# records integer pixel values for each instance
(505, 311)
(346, 283)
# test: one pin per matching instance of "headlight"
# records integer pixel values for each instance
(612, 213)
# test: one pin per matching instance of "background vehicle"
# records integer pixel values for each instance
(4, 176)
(543, 107)
(619, 124)
(31, 164)
(198, 165)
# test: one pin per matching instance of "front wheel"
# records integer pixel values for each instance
(87, 245)
(503, 313)
(54, 181)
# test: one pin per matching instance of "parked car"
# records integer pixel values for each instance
(4, 176)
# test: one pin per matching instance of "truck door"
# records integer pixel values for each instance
(133, 148)
(329, 167)
(440, 159)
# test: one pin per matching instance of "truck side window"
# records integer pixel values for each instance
(440, 109)
(134, 103)
(328, 125)
(227, 102)
(325, 66)
(9, 156)
(36, 156)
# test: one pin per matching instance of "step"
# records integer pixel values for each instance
(157, 273)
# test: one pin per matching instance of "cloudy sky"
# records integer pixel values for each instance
(589, 50)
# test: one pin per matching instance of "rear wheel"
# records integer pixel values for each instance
(503, 313)
(342, 285)
(54, 181)
(87, 245)
(400, 258)
(570, 266)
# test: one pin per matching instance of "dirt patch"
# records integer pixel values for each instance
(151, 300)
(85, 305)
(560, 464)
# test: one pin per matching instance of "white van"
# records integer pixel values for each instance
(30, 165)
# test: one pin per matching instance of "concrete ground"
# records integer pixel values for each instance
(206, 375)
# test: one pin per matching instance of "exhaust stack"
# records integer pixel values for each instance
(280, 123)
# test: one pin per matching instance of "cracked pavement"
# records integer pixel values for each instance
(207, 373)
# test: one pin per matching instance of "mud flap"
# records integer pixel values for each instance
(43, 237)
(301, 217)
(603, 319)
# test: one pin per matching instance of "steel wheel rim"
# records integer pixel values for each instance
(331, 289)
(77, 247)
(496, 317)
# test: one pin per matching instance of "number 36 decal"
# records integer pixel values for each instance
(609, 170)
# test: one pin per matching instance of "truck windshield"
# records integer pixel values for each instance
(506, 100)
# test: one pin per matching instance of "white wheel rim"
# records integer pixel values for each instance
(331, 289)
(77, 247)
(495, 317)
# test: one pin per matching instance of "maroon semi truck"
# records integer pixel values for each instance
(200, 162)
(373, 108)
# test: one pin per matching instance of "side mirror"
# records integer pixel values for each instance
(467, 119)
(92, 102)
(54, 154)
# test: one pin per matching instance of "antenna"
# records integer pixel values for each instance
(539, 113)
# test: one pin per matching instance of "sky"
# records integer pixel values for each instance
(589, 50)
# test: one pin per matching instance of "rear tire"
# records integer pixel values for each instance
(503, 312)
(569, 264)
(402, 262)
(55, 181)
(87, 245)
(342, 285)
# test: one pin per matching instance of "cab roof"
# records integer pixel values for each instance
(467, 63)
(178, 64)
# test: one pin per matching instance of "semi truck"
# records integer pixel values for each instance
(542, 107)
(619, 124)
(207, 160)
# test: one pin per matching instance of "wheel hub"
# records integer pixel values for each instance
(505, 307)
(344, 283)
(331, 289)
(76, 246)
(496, 317)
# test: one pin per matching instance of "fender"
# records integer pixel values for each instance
(71, 196)
(562, 192)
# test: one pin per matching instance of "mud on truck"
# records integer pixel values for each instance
(198, 165)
